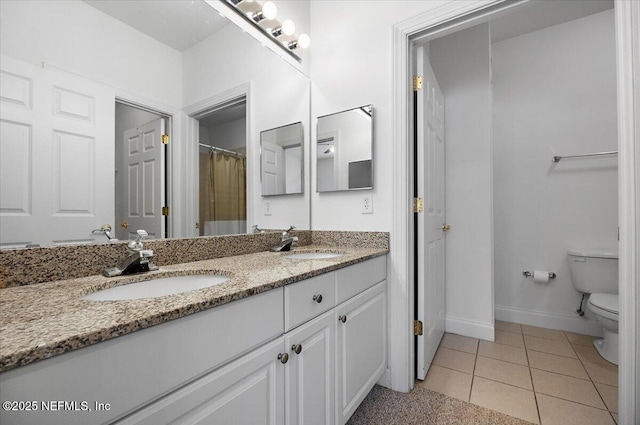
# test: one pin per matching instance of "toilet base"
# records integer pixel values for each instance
(608, 346)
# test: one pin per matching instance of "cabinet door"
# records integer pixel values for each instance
(249, 390)
(310, 373)
(361, 348)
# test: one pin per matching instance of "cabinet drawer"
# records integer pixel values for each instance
(356, 278)
(301, 299)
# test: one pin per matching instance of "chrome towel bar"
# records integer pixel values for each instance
(557, 158)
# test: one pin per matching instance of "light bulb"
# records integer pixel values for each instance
(304, 41)
(288, 27)
(269, 10)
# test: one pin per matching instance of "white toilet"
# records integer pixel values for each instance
(596, 273)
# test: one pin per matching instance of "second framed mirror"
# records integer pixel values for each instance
(344, 150)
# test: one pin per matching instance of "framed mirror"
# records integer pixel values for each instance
(344, 157)
(281, 160)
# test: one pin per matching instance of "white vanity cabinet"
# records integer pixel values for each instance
(305, 354)
(336, 358)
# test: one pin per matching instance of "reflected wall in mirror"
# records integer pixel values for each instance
(281, 154)
(344, 157)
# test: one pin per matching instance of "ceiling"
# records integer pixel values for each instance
(177, 23)
(536, 15)
(224, 115)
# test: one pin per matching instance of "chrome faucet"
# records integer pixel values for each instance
(136, 261)
(256, 229)
(285, 234)
(285, 242)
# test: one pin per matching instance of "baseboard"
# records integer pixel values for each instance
(385, 379)
(579, 325)
(470, 328)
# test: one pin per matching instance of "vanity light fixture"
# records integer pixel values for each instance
(303, 41)
(264, 18)
(269, 11)
(288, 27)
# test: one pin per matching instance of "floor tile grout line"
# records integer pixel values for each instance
(577, 402)
(562, 374)
(535, 394)
(505, 383)
(506, 361)
(555, 354)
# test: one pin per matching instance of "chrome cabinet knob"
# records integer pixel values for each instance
(317, 298)
(296, 348)
(283, 357)
(342, 318)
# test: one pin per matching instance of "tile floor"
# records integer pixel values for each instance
(539, 375)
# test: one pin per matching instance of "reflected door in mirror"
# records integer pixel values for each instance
(281, 160)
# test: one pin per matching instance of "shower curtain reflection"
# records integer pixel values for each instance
(223, 195)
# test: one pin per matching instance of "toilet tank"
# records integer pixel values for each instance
(594, 272)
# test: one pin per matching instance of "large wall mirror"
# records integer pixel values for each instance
(206, 55)
(344, 157)
(281, 160)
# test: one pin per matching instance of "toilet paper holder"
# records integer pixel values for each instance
(527, 273)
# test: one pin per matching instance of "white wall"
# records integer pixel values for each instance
(279, 96)
(461, 62)
(78, 38)
(351, 66)
(554, 94)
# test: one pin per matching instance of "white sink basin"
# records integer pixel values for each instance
(313, 255)
(157, 287)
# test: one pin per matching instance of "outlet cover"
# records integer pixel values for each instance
(267, 207)
(367, 203)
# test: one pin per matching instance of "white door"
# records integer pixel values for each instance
(272, 169)
(143, 180)
(310, 372)
(431, 222)
(57, 154)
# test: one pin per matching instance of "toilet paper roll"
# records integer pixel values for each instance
(540, 276)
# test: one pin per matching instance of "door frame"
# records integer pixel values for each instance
(455, 16)
(191, 179)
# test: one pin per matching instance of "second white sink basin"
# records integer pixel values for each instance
(157, 287)
(313, 255)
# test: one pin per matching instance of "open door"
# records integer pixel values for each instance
(143, 191)
(430, 223)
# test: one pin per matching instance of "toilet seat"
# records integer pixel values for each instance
(605, 304)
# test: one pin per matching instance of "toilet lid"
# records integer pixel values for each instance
(608, 302)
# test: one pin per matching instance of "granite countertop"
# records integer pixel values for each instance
(43, 320)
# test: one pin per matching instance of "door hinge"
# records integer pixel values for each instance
(417, 82)
(165, 210)
(165, 139)
(417, 327)
(418, 205)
